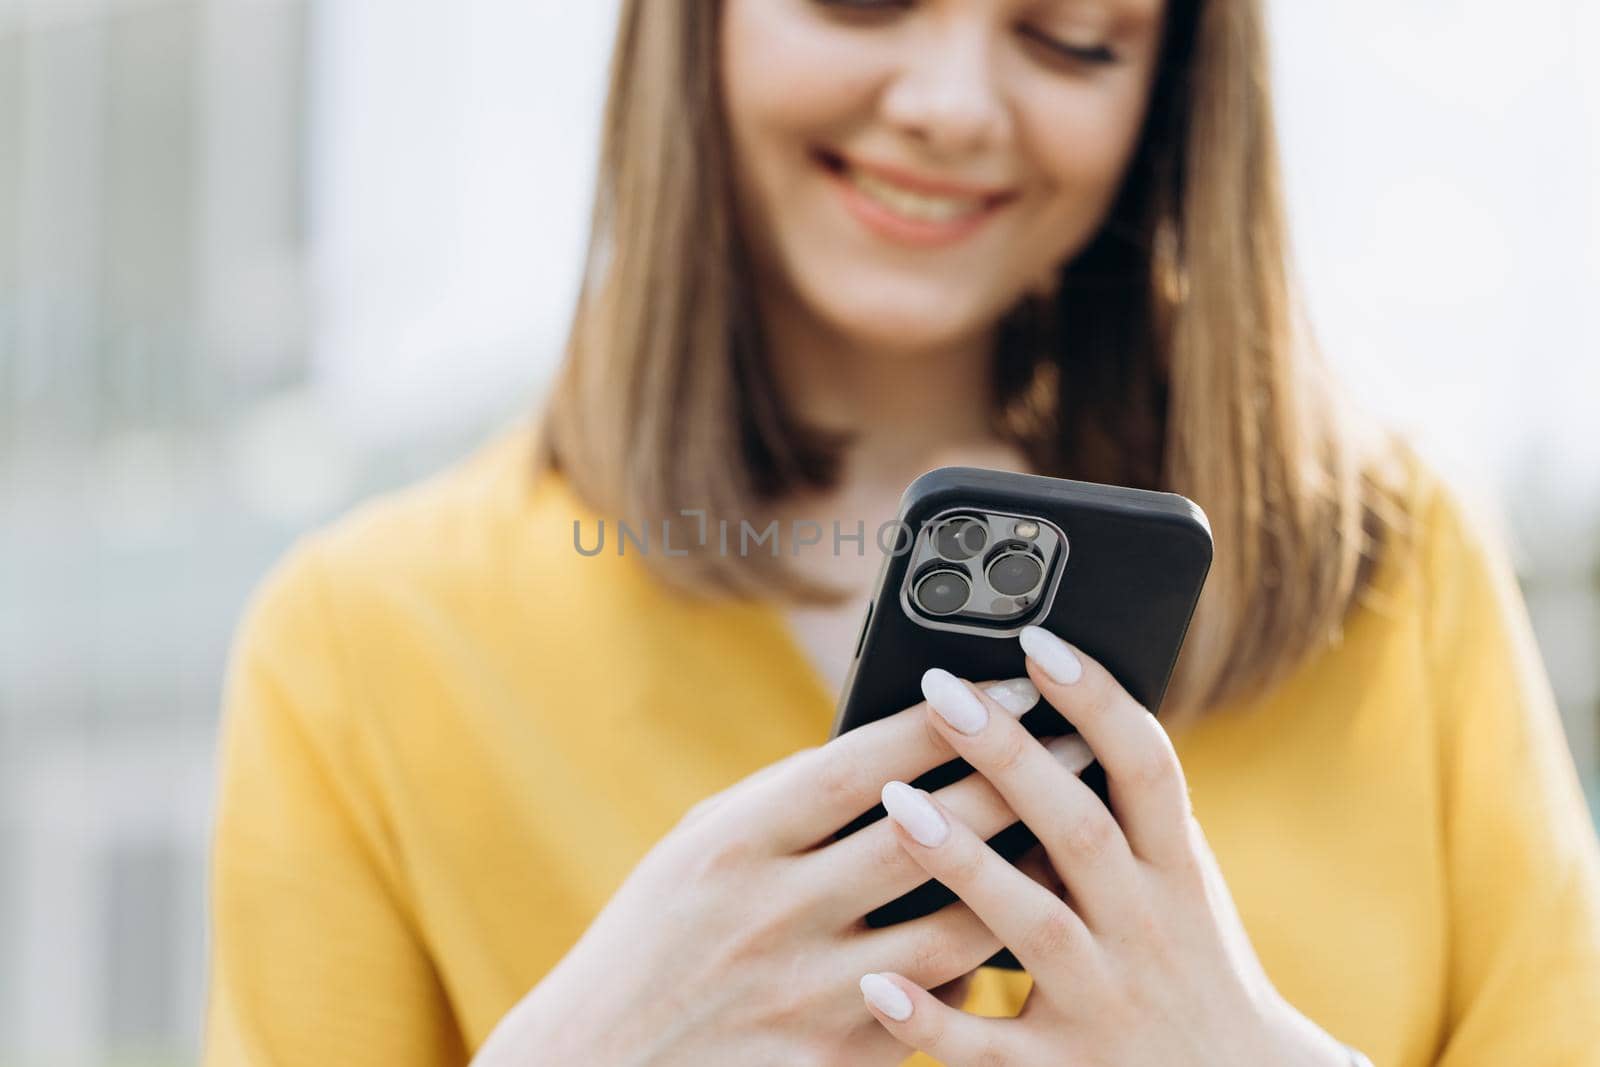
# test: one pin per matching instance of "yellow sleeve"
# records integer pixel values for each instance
(314, 958)
(1523, 868)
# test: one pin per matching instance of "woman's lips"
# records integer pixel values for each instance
(910, 208)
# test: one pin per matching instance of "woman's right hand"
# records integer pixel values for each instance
(739, 938)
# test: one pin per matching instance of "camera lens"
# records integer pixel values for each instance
(960, 538)
(1015, 572)
(942, 592)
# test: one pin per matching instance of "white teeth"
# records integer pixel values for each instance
(919, 207)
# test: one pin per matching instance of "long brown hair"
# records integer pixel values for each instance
(1170, 357)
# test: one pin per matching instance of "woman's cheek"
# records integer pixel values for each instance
(788, 71)
(1081, 148)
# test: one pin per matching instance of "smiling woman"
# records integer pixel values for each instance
(476, 798)
(869, 208)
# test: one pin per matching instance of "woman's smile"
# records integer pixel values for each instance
(907, 207)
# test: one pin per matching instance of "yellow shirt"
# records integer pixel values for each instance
(448, 738)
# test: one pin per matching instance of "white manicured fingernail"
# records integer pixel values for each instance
(1017, 695)
(1051, 653)
(1071, 751)
(886, 997)
(955, 703)
(916, 814)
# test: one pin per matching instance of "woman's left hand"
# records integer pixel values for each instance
(1144, 961)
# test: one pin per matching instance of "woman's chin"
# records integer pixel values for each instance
(907, 330)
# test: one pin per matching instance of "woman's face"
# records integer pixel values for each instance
(909, 169)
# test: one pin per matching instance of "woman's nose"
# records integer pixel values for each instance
(947, 92)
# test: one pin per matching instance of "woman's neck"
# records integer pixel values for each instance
(905, 411)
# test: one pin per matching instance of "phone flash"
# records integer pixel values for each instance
(1026, 530)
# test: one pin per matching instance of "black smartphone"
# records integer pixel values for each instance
(979, 554)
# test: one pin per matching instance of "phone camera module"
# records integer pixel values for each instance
(960, 538)
(1015, 572)
(943, 592)
(976, 570)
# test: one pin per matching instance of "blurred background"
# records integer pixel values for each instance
(259, 258)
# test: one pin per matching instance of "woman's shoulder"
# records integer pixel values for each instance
(449, 523)
(451, 546)
(1442, 597)
(1441, 589)
(1446, 550)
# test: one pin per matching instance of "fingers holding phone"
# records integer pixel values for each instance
(751, 903)
(807, 798)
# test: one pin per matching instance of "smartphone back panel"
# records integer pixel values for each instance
(1129, 578)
